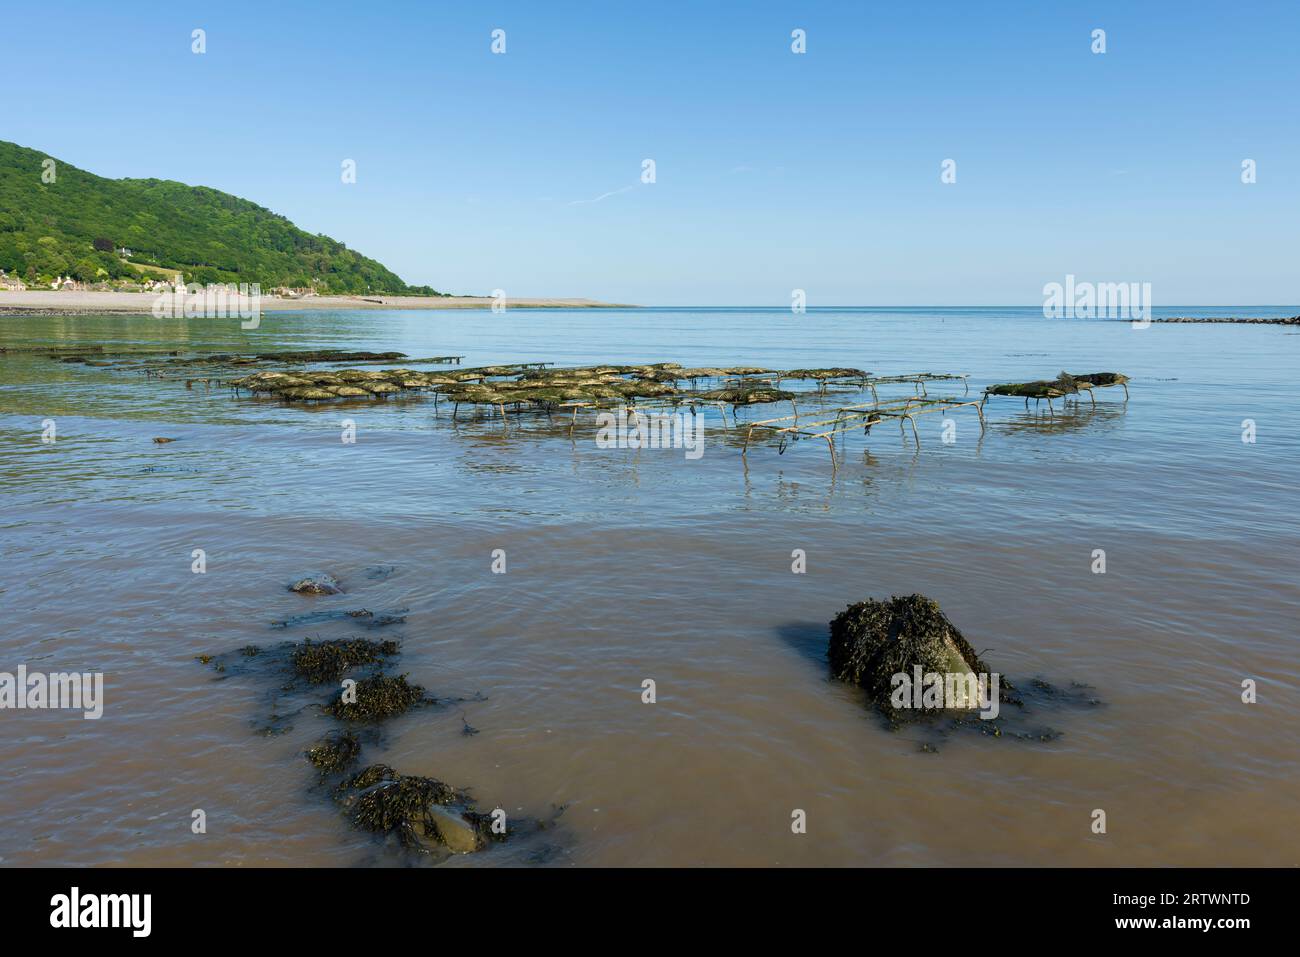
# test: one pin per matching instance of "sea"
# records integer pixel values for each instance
(630, 643)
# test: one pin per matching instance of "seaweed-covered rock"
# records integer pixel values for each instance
(316, 585)
(335, 752)
(422, 812)
(872, 641)
(377, 698)
(328, 660)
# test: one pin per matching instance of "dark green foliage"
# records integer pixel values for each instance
(328, 660)
(50, 229)
(378, 697)
(335, 752)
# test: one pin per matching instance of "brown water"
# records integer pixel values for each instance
(624, 566)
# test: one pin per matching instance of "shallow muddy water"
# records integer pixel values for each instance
(626, 565)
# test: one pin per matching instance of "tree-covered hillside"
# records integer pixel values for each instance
(76, 224)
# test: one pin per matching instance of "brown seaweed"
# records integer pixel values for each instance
(323, 661)
(335, 752)
(872, 641)
(424, 813)
(377, 698)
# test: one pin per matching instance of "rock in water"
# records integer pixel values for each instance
(423, 812)
(316, 585)
(872, 641)
(451, 829)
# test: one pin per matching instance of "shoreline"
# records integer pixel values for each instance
(52, 303)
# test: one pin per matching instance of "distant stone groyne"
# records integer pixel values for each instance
(1292, 321)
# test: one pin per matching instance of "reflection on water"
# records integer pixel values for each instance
(1071, 418)
(632, 564)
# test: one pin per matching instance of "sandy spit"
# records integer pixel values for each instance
(49, 302)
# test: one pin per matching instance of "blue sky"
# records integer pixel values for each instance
(775, 171)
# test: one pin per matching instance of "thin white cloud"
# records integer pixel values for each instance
(612, 192)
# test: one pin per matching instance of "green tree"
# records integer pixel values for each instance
(193, 229)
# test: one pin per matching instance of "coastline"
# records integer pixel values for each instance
(52, 303)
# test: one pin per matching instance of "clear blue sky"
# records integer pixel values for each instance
(775, 171)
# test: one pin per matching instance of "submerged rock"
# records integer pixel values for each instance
(377, 698)
(873, 641)
(316, 585)
(449, 828)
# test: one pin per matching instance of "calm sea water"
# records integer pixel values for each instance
(624, 566)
